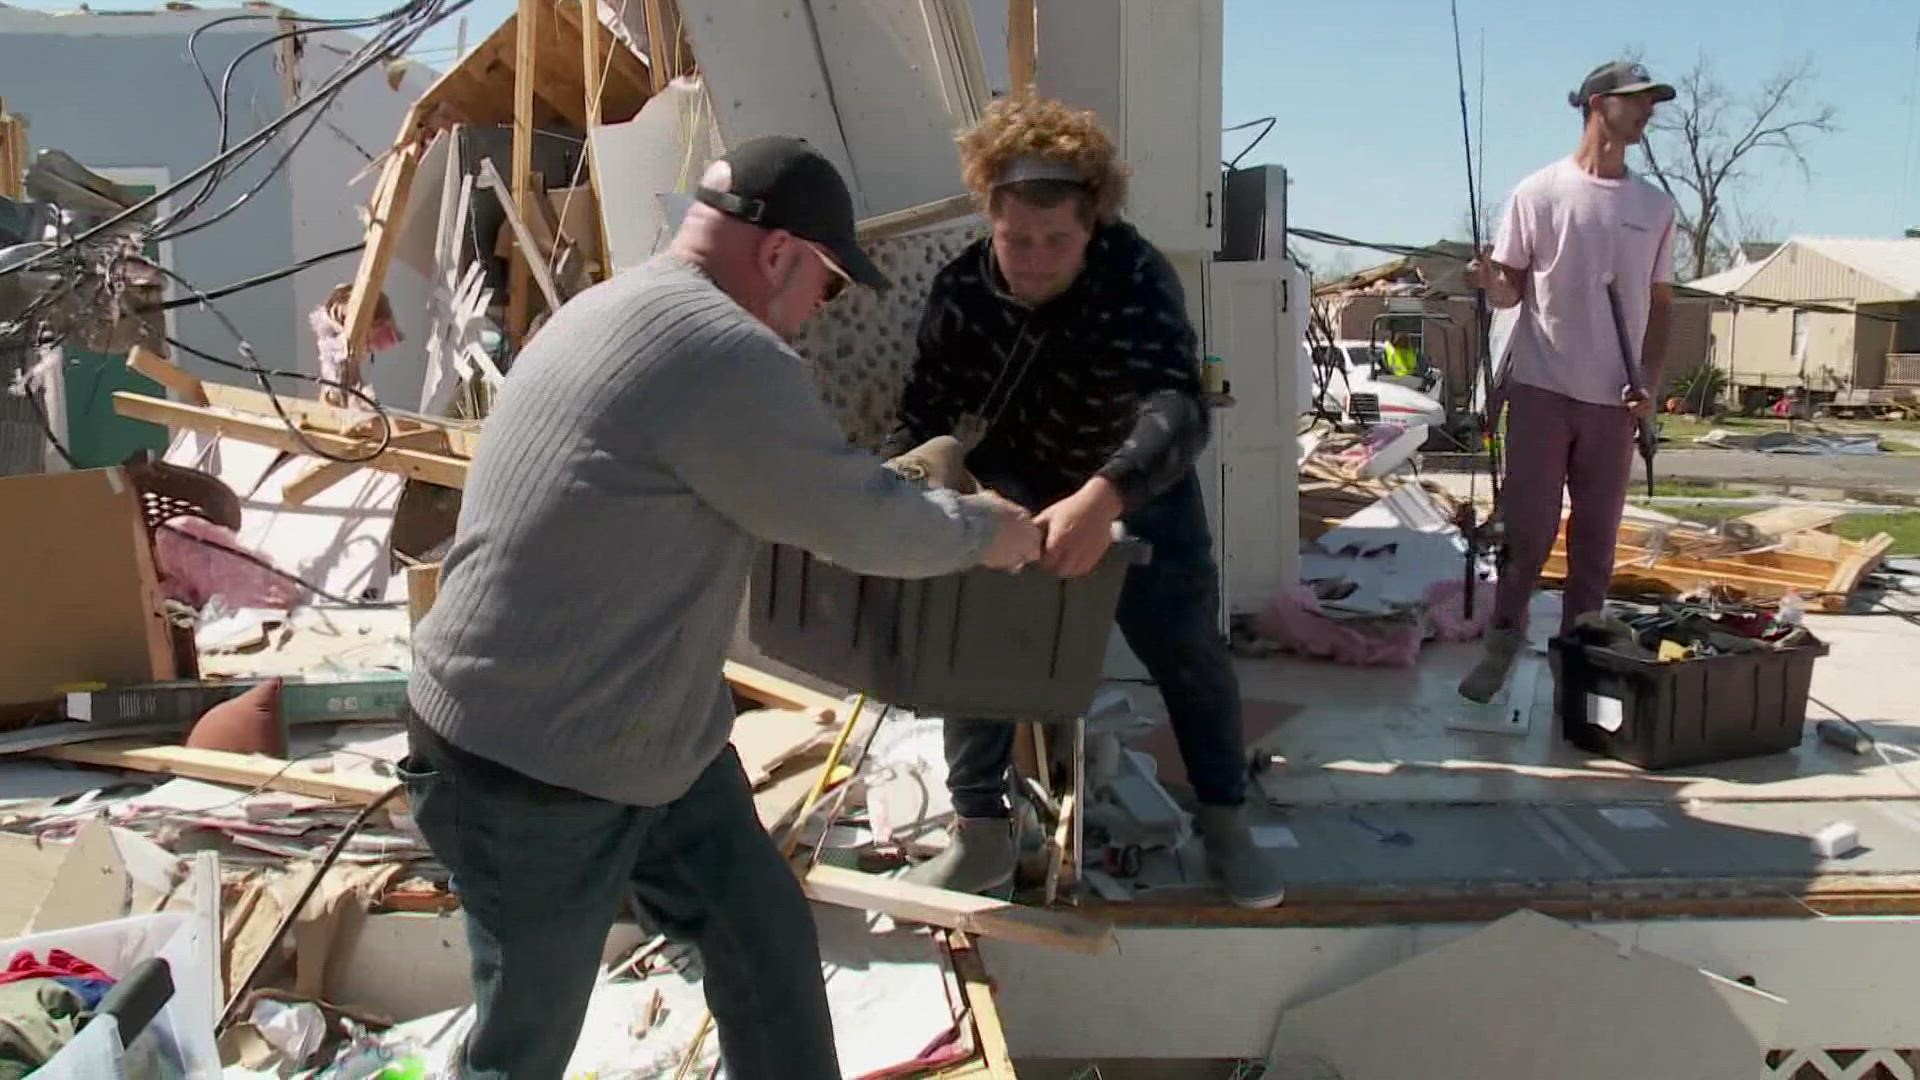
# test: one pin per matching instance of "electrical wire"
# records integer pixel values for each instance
(257, 280)
(265, 133)
(264, 376)
(1269, 121)
(373, 45)
(1874, 743)
(372, 48)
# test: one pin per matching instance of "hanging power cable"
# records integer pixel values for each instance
(319, 98)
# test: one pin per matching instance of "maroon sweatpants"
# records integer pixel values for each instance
(1555, 442)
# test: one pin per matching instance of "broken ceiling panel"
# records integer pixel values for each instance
(906, 77)
(761, 63)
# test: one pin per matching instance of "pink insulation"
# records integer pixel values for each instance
(1293, 621)
(194, 573)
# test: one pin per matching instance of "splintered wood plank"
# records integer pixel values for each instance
(442, 469)
(246, 771)
(780, 693)
(1848, 575)
(187, 388)
(321, 475)
(461, 439)
(978, 991)
(383, 231)
(979, 915)
(1781, 520)
(423, 588)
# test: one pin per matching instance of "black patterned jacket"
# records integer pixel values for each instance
(1104, 379)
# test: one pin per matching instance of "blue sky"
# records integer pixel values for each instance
(1369, 124)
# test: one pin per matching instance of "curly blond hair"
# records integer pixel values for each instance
(1031, 126)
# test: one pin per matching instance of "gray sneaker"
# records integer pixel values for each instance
(1496, 663)
(979, 858)
(1249, 876)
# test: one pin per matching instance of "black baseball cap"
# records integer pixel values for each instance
(1619, 77)
(783, 183)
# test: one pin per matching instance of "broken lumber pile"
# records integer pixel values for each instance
(1760, 557)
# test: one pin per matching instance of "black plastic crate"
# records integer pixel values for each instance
(1686, 712)
(982, 643)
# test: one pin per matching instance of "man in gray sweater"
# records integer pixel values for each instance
(569, 737)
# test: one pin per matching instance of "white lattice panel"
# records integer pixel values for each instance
(1844, 1065)
(862, 346)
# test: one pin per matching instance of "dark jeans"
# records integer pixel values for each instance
(540, 871)
(1170, 615)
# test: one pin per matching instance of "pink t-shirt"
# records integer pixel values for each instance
(1573, 232)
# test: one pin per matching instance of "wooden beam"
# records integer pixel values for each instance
(423, 588)
(1022, 46)
(977, 988)
(320, 475)
(660, 59)
(383, 231)
(980, 915)
(442, 469)
(1847, 576)
(220, 767)
(781, 694)
(526, 49)
(595, 69)
(881, 226)
(526, 247)
(186, 387)
(311, 415)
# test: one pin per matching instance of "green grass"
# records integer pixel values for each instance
(1683, 487)
(1902, 525)
(1685, 429)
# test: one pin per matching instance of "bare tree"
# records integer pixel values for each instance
(1701, 146)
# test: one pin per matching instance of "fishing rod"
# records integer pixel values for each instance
(1470, 527)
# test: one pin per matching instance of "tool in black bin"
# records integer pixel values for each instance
(1636, 380)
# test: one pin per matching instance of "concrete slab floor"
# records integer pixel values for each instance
(1382, 735)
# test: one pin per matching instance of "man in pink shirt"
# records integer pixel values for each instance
(1573, 229)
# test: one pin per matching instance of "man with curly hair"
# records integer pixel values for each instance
(1059, 353)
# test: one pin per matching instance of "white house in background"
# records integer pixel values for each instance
(119, 92)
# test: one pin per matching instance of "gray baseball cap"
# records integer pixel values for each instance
(1619, 77)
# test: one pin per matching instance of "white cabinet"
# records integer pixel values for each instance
(1251, 315)
(1151, 70)
(1254, 323)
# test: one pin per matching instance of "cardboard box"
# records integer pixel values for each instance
(80, 600)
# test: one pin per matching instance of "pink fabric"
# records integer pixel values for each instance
(193, 573)
(1555, 443)
(1293, 621)
(1573, 232)
(1447, 612)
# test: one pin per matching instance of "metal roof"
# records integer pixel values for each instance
(1893, 263)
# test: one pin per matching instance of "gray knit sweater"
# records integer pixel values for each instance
(647, 435)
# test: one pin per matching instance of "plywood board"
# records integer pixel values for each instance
(1532, 996)
(898, 111)
(77, 585)
(762, 67)
(765, 739)
(979, 915)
